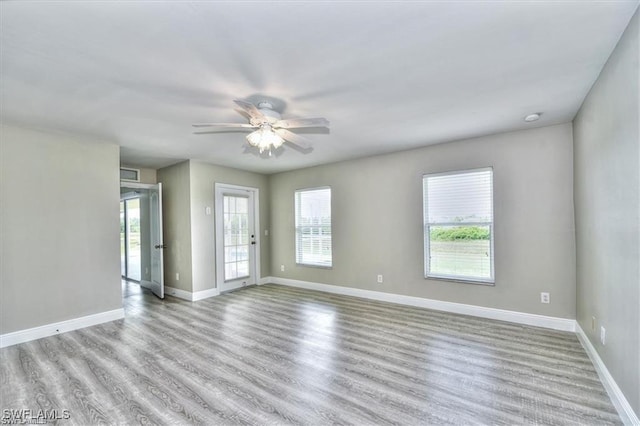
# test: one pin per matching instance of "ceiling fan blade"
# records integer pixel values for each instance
(296, 123)
(226, 125)
(291, 137)
(251, 109)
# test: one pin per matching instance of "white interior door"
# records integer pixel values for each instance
(157, 245)
(236, 236)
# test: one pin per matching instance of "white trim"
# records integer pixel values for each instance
(459, 172)
(137, 185)
(191, 297)
(563, 324)
(204, 294)
(265, 280)
(618, 399)
(22, 336)
(176, 292)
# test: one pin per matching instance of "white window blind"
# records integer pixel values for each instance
(313, 227)
(458, 225)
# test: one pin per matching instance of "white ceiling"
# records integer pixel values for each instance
(389, 76)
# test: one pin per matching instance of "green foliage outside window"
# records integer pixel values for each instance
(459, 233)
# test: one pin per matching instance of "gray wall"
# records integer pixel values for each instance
(203, 179)
(176, 212)
(60, 225)
(607, 203)
(188, 189)
(377, 221)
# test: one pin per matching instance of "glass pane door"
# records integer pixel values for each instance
(123, 242)
(237, 244)
(237, 237)
(132, 207)
(157, 245)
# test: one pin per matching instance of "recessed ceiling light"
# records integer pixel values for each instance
(533, 117)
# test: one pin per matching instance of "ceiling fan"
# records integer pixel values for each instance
(271, 131)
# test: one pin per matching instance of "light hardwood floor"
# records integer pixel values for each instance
(279, 355)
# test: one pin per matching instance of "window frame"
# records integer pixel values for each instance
(133, 171)
(295, 226)
(426, 234)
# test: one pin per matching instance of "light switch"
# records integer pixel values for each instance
(207, 210)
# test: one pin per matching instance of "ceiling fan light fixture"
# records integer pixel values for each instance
(270, 130)
(265, 139)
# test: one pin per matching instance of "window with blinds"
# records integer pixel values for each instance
(313, 227)
(458, 225)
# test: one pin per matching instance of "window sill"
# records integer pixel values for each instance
(309, 265)
(460, 280)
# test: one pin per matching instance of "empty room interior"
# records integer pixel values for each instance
(315, 213)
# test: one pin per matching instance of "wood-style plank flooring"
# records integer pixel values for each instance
(278, 355)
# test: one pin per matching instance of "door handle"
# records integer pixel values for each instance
(161, 246)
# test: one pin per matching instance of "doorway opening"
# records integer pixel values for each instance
(141, 245)
(130, 241)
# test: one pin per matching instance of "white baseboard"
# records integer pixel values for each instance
(617, 397)
(205, 294)
(563, 324)
(176, 292)
(191, 297)
(22, 336)
(265, 280)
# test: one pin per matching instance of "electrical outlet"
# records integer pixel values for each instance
(545, 298)
(266, 232)
(593, 323)
(177, 276)
(603, 335)
(281, 268)
(380, 279)
(207, 210)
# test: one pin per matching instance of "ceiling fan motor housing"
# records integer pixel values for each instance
(266, 109)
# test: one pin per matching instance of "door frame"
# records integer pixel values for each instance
(123, 204)
(127, 238)
(156, 237)
(136, 185)
(219, 226)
